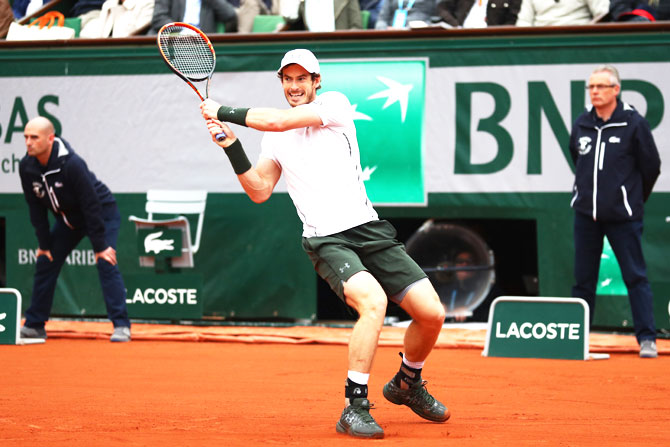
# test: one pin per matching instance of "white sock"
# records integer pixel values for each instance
(358, 377)
(415, 365)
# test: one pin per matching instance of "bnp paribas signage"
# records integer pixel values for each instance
(388, 101)
(527, 327)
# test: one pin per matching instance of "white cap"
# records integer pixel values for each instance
(302, 57)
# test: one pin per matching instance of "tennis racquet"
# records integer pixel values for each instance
(189, 53)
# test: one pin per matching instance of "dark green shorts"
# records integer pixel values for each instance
(369, 247)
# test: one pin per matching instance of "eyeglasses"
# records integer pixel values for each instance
(599, 86)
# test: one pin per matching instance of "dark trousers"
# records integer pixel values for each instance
(63, 241)
(626, 241)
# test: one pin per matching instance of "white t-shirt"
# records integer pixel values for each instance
(322, 168)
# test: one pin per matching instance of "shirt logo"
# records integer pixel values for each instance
(58, 185)
(584, 145)
(615, 140)
(38, 189)
(345, 266)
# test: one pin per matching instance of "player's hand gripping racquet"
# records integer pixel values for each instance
(189, 53)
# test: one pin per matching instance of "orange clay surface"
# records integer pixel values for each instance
(78, 389)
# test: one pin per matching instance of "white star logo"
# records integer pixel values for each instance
(359, 115)
(396, 92)
(367, 172)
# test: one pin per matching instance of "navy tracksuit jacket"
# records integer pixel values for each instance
(616, 166)
(82, 206)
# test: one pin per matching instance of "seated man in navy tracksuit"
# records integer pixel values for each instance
(56, 179)
(617, 164)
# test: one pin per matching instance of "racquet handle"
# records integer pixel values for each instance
(221, 136)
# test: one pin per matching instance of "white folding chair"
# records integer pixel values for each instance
(176, 203)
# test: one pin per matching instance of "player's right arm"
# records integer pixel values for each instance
(258, 182)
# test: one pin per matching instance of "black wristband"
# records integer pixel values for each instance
(233, 115)
(238, 158)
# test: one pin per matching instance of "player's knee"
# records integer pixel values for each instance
(433, 313)
(438, 315)
(374, 305)
(369, 304)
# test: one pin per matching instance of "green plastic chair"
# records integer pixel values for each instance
(365, 19)
(266, 23)
(74, 23)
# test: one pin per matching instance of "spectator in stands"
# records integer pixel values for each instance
(616, 166)
(502, 12)
(663, 10)
(347, 14)
(23, 8)
(89, 12)
(478, 13)
(19, 7)
(205, 14)
(639, 10)
(397, 14)
(563, 12)
(374, 6)
(82, 7)
(6, 17)
(247, 10)
(54, 178)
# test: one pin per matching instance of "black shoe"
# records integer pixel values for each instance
(30, 332)
(418, 399)
(356, 421)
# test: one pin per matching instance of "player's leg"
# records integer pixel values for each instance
(364, 294)
(423, 304)
(63, 241)
(337, 263)
(111, 281)
(406, 284)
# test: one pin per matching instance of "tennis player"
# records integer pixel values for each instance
(314, 144)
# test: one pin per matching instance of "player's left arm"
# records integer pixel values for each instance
(279, 120)
(260, 118)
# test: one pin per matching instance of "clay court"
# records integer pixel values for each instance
(258, 386)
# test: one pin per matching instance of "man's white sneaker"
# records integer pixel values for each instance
(648, 349)
(121, 334)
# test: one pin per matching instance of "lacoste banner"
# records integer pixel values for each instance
(164, 296)
(555, 328)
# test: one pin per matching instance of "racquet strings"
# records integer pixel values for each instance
(188, 52)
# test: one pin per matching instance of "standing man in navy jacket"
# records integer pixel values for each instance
(56, 179)
(617, 164)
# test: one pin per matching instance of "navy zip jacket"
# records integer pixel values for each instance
(616, 164)
(67, 188)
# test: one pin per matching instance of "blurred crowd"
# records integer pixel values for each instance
(121, 18)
